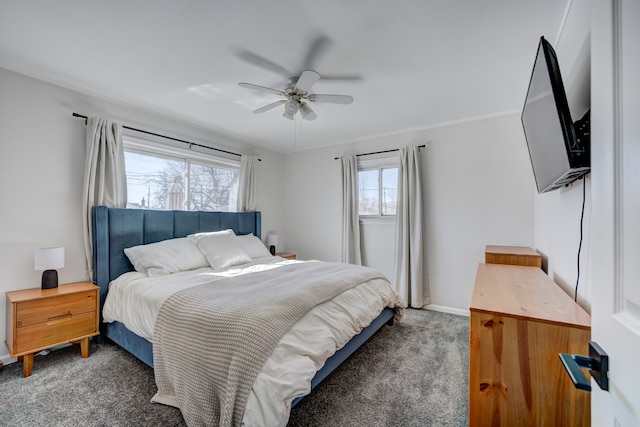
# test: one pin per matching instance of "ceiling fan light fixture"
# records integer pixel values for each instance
(288, 115)
(291, 107)
(307, 112)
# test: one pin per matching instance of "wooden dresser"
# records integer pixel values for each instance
(520, 320)
(515, 255)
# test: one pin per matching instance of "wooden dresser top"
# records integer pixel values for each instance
(527, 293)
(510, 250)
(63, 289)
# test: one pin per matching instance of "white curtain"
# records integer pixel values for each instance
(105, 180)
(411, 272)
(246, 184)
(350, 219)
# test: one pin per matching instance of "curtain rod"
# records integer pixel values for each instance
(167, 137)
(379, 152)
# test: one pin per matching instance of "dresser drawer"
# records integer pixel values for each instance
(55, 331)
(49, 309)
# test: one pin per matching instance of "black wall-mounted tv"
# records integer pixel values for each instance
(558, 147)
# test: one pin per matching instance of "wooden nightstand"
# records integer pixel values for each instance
(38, 319)
(286, 255)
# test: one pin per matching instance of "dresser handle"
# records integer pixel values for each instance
(58, 319)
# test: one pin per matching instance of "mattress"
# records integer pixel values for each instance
(135, 300)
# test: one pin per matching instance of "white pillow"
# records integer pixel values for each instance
(221, 248)
(166, 257)
(254, 246)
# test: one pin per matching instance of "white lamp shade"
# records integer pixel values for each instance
(288, 115)
(307, 112)
(49, 258)
(272, 239)
(291, 107)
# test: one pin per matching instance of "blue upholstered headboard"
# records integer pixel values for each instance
(115, 229)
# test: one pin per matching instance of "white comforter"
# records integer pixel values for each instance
(135, 299)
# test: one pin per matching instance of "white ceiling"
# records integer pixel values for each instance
(423, 63)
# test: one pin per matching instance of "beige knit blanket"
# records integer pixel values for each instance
(211, 341)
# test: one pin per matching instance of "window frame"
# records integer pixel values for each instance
(379, 162)
(171, 151)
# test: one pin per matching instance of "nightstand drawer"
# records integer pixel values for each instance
(55, 331)
(48, 309)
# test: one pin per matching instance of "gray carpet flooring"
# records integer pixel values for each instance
(414, 373)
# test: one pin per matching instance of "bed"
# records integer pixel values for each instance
(115, 230)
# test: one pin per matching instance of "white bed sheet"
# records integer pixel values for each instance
(134, 300)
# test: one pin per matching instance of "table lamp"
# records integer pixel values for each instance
(48, 259)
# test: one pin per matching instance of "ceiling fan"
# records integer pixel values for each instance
(295, 95)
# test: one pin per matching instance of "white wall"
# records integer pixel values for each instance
(478, 190)
(557, 214)
(42, 152)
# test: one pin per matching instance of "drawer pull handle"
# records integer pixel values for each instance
(56, 319)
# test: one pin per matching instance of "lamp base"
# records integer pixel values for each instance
(49, 279)
(272, 249)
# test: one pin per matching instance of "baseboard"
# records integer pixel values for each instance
(444, 309)
(7, 360)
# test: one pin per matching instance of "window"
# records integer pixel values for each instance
(377, 191)
(173, 178)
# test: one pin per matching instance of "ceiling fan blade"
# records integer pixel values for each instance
(317, 48)
(349, 77)
(259, 61)
(333, 99)
(306, 80)
(270, 106)
(252, 86)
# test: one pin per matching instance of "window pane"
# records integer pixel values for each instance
(212, 189)
(162, 182)
(389, 191)
(368, 192)
(150, 179)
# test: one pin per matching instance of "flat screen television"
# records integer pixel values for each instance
(558, 147)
